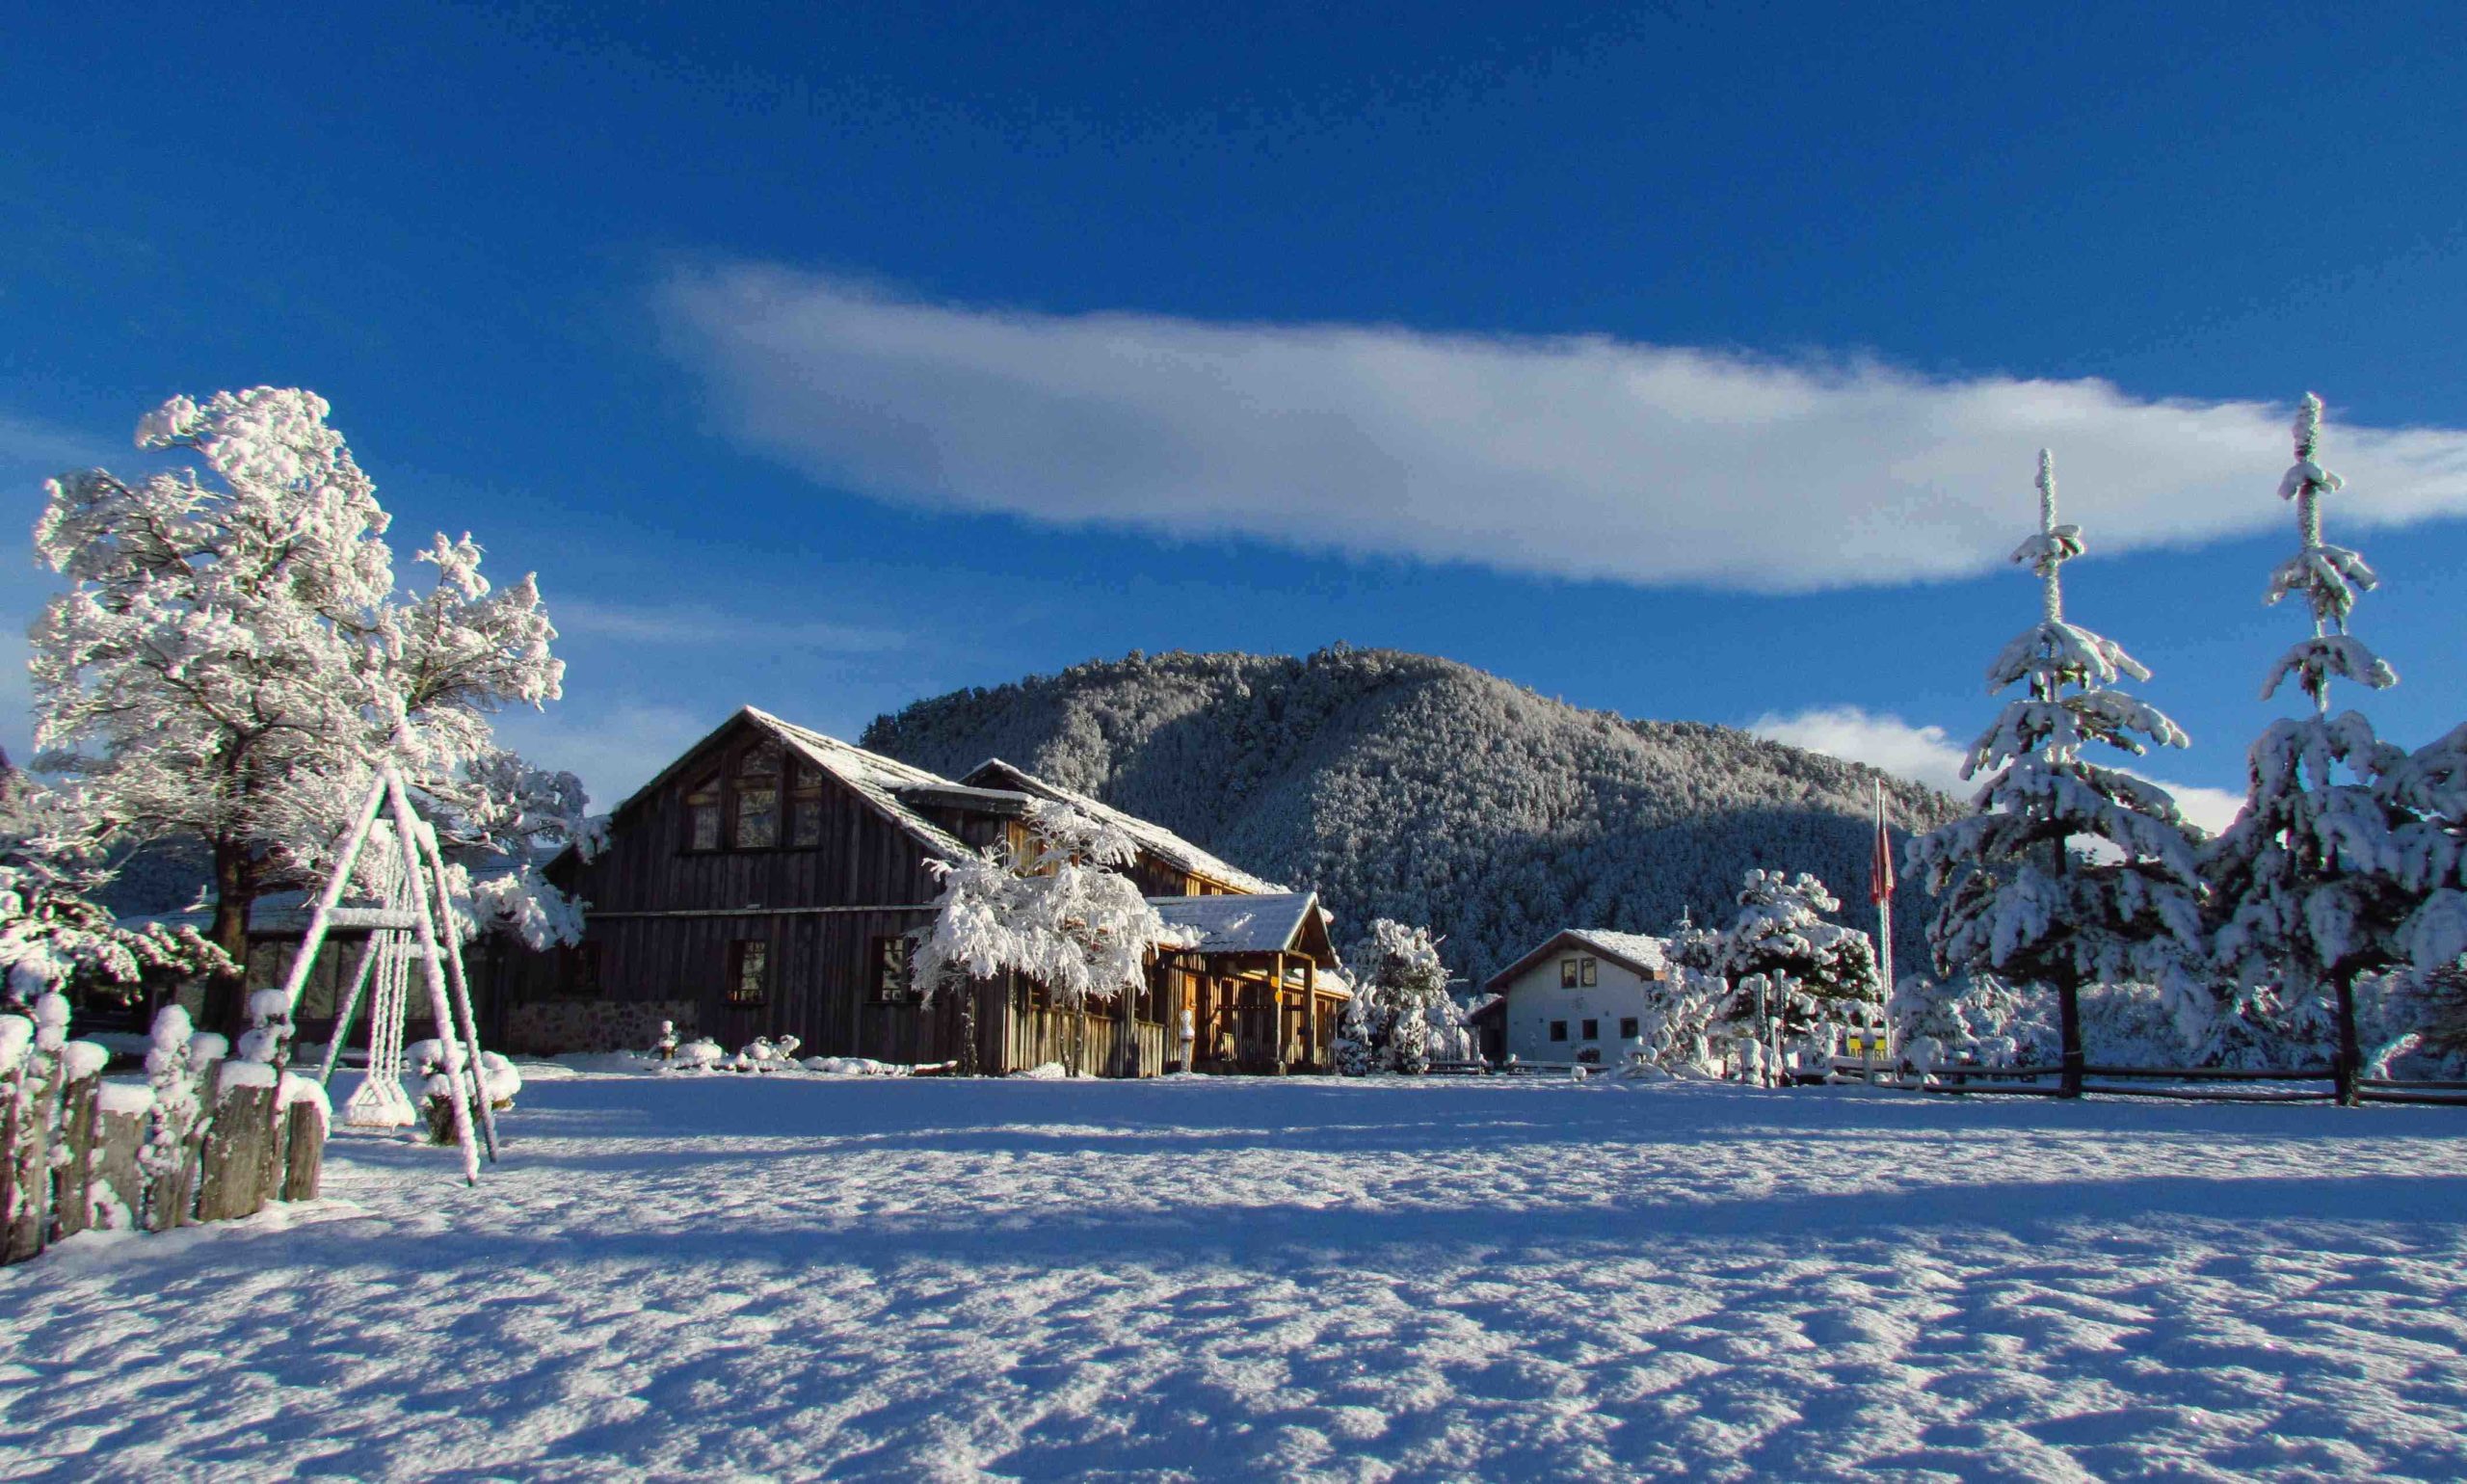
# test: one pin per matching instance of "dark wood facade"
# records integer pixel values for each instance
(770, 878)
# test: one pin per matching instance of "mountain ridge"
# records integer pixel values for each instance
(1411, 787)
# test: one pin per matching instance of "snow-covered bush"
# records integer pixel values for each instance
(699, 1054)
(765, 1054)
(1355, 1050)
(1407, 987)
(665, 1048)
(176, 1111)
(1779, 982)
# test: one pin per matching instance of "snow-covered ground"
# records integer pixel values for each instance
(1239, 1278)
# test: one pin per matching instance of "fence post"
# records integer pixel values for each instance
(73, 1196)
(30, 1231)
(2345, 1067)
(231, 1181)
(303, 1154)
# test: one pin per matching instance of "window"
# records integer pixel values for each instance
(749, 971)
(1626, 1027)
(1592, 1030)
(757, 797)
(1585, 968)
(702, 814)
(1559, 1030)
(805, 806)
(579, 970)
(1567, 974)
(890, 971)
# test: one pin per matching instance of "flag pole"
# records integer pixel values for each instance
(1881, 887)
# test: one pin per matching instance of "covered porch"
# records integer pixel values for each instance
(1260, 991)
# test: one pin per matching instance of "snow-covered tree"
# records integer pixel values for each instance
(1407, 986)
(2070, 872)
(1052, 905)
(233, 660)
(1779, 971)
(2329, 874)
(53, 935)
(1356, 1048)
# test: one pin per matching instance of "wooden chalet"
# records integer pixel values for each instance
(767, 883)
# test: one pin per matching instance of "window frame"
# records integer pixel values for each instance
(1589, 971)
(740, 949)
(796, 793)
(1628, 1027)
(1568, 973)
(1559, 1032)
(1592, 1028)
(889, 951)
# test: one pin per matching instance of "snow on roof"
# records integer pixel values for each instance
(1645, 954)
(874, 777)
(1269, 923)
(1155, 839)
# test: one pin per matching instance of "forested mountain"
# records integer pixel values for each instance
(1403, 785)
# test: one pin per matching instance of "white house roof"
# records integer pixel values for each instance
(1647, 955)
(1240, 924)
(1155, 839)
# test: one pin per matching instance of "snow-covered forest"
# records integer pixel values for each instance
(1412, 787)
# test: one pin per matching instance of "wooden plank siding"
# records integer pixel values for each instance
(662, 920)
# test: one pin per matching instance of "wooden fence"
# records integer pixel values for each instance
(73, 1158)
(2202, 1084)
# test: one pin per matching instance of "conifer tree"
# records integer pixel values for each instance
(2019, 894)
(2312, 887)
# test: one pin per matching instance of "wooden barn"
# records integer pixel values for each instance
(766, 883)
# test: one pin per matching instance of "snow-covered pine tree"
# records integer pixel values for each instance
(1407, 982)
(1355, 1050)
(1054, 906)
(2313, 885)
(2017, 895)
(231, 661)
(1787, 973)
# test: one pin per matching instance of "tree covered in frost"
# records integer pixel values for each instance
(54, 937)
(1408, 786)
(1355, 1050)
(1780, 972)
(2020, 895)
(1407, 987)
(233, 660)
(1053, 904)
(2338, 864)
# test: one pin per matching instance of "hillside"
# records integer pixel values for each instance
(1409, 787)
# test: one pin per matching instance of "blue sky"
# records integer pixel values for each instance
(1690, 363)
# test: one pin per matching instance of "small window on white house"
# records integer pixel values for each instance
(1559, 1030)
(1626, 1027)
(1592, 1030)
(1584, 971)
(1567, 974)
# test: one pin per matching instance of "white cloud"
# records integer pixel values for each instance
(1578, 456)
(698, 624)
(1927, 755)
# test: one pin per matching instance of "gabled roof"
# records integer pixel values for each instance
(871, 777)
(1155, 839)
(1645, 955)
(1271, 923)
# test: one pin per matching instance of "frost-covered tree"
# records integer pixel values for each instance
(1780, 970)
(1053, 905)
(53, 935)
(1408, 985)
(233, 660)
(1356, 1048)
(2069, 872)
(2328, 874)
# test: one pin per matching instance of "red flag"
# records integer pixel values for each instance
(1881, 868)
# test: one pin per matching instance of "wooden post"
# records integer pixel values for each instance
(2350, 1060)
(1310, 1012)
(461, 987)
(230, 1175)
(303, 1152)
(73, 1194)
(9, 1121)
(30, 1230)
(118, 1137)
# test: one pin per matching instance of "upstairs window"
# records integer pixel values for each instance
(1584, 971)
(1567, 974)
(749, 971)
(757, 797)
(702, 814)
(805, 806)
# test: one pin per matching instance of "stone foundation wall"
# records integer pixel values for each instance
(547, 1027)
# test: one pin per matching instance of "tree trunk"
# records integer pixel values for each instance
(2350, 1064)
(234, 885)
(968, 991)
(2068, 1018)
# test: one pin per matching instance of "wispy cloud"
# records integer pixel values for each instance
(1928, 755)
(697, 625)
(35, 450)
(613, 750)
(1580, 456)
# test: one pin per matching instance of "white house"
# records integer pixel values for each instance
(1579, 997)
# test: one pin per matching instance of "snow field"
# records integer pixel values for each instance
(1235, 1279)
